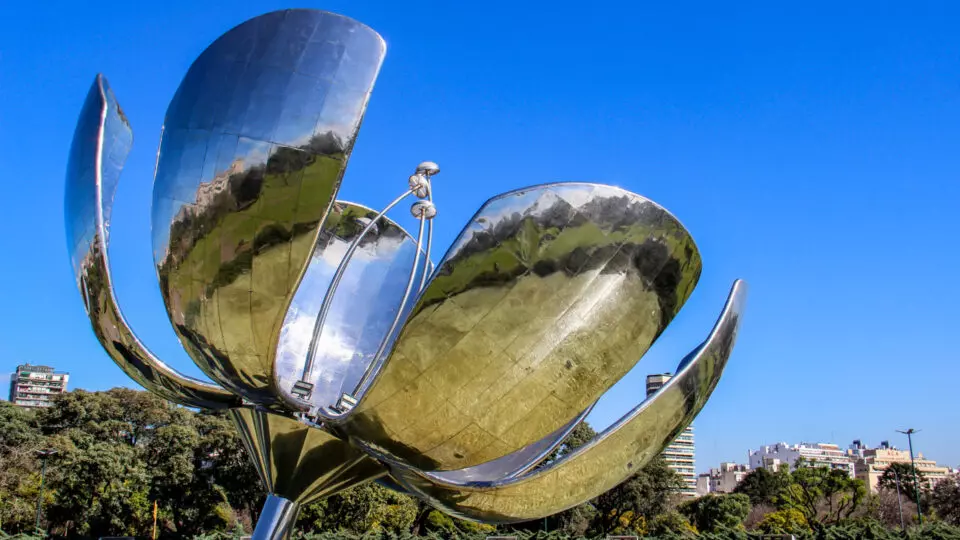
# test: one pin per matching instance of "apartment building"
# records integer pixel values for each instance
(680, 454)
(722, 480)
(35, 386)
(813, 454)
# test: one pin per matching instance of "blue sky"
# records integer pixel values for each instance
(812, 150)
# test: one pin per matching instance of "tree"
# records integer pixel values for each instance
(945, 499)
(712, 513)
(19, 471)
(643, 496)
(101, 491)
(904, 472)
(786, 521)
(176, 462)
(763, 486)
(224, 462)
(671, 525)
(361, 508)
(886, 507)
(823, 495)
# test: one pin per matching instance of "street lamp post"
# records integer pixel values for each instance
(916, 485)
(43, 454)
(899, 502)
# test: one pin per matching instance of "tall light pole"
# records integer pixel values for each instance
(43, 454)
(899, 503)
(916, 485)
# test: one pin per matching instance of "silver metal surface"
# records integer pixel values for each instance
(277, 519)
(338, 277)
(368, 297)
(297, 461)
(548, 297)
(100, 146)
(610, 458)
(346, 356)
(255, 143)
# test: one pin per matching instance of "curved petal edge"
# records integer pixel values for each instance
(611, 457)
(101, 142)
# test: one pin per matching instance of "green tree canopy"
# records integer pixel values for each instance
(763, 486)
(823, 495)
(712, 513)
(902, 473)
(945, 499)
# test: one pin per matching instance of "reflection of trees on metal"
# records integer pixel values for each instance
(343, 356)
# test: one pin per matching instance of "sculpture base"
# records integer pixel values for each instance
(277, 519)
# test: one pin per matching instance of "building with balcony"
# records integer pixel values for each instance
(35, 386)
(722, 480)
(772, 457)
(870, 464)
(680, 454)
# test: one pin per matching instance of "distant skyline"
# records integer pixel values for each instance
(811, 150)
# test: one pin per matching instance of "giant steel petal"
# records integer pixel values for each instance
(361, 308)
(255, 143)
(548, 297)
(101, 142)
(611, 457)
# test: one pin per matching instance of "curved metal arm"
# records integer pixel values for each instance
(610, 458)
(335, 283)
(100, 146)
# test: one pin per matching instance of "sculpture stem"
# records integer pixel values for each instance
(277, 519)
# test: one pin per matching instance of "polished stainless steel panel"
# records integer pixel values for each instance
(548, 297)
(254, 146)
(366, 300)
(297, 461)
(611, 457)
(357, 361)
(101, 143)
(510, 465)
(277, 519)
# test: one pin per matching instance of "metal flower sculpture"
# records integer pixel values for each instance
(341, 353)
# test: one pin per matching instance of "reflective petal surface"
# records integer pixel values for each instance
(611, 457)
(298, 462)
(362, 308)
(548, 297)
(254, 146)
(100, 146)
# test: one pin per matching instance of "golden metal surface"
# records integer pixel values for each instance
(611, 457)
(548, 297)
(100, 146)
(298, 462)
(255, 143)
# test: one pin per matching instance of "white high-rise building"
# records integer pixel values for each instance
(814, 455)
(680, 454)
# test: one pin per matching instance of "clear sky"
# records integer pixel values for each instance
(812, 150)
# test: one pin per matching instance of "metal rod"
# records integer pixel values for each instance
(374, 366)
(899, 502)
(916, 485)
(43, 473)
(426, 259)
(335, 282)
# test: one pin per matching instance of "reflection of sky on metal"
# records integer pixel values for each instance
(361, 311)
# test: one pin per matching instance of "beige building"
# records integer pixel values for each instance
(872, 462)
(722, 480)
(680, 454)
